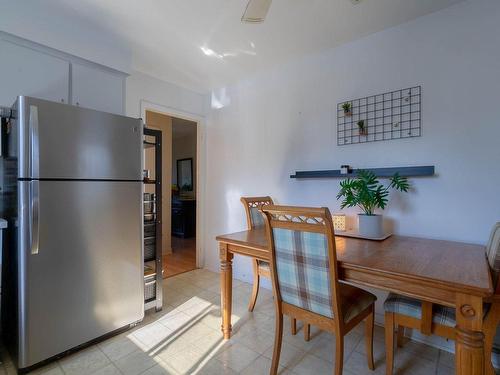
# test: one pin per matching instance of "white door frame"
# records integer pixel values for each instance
(200, 167)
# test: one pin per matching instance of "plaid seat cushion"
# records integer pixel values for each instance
(302, 265)
(256, 217)
(413, 307)
(493, 253)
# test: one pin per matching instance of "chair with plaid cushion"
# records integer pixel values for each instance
(255, 220)
(401, 312)
(305, 279)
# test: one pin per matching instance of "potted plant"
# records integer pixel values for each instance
(363, 130)
(366, 192)
(347, 109)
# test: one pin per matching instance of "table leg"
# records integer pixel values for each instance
(469, 342)
(226, 285)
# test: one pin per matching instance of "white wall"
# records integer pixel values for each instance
(142, 87)
(284, 120)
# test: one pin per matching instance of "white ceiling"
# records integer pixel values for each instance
(202, 44)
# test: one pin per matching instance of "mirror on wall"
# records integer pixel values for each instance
(185, 174)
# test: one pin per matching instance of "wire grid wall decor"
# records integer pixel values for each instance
(392, 115)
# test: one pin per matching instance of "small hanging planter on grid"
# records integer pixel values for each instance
(347, 109)
(363, 130)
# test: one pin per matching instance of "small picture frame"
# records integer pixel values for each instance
(185, 174)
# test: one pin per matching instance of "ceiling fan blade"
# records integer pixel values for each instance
(256, 11)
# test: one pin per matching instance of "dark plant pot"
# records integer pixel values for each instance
(363, 131)
(371, 225)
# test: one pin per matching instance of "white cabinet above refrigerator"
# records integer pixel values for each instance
(31, 69)
(97, 89)
(24, 71)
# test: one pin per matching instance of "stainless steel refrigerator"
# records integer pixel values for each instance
(73, 177)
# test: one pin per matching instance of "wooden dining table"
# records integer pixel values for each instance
(448, 273)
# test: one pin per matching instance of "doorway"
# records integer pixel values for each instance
(179, 190)
(183, 214)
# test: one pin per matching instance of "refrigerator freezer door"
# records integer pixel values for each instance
(81, 269)
(60, 141)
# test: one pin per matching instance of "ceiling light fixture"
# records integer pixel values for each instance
(256, 11)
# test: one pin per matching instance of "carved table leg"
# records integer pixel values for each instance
(226, 286)
(469, 342)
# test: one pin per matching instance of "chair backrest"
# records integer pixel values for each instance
(252, 206)
(493, 253)
(303, 258)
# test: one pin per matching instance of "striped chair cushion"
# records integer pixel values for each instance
(493, 252)
(256, 217)
(302, 267)
(413, 307)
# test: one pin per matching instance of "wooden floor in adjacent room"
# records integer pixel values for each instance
(182, 259)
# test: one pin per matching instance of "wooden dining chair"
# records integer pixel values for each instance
(305, 280)
(401, 312)
(255, 219)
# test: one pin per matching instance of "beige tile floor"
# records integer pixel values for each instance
(185, 338)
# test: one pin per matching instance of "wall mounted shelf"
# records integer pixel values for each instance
(419, 171)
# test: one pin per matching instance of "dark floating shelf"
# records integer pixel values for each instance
(149, 181)
(421, 171)
(148, 144)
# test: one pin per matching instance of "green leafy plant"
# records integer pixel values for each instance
(366, 192)
(346, 107)
(362, 127)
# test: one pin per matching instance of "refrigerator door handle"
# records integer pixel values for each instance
(34, 149)
(34, 216)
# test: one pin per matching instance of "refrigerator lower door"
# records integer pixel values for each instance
(80, 266)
